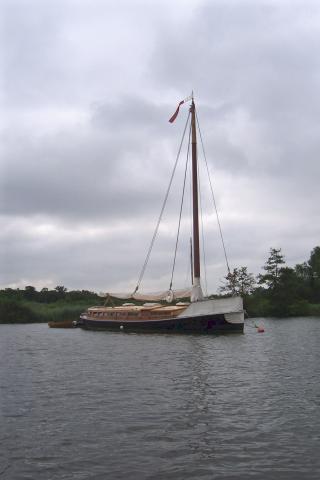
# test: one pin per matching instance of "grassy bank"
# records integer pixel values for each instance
(12, 311)
(260, 306)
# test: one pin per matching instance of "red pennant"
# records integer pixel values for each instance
(174, 116)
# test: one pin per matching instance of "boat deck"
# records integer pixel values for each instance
(131, 312)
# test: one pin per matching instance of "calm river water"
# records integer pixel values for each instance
(95, 405)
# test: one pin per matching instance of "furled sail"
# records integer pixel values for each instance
(167, 295)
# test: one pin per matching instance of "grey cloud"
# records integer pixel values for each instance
(107, 168)
(260, 58)
(33, 69)
(88, 149)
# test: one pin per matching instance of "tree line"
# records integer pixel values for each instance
(58, 294)
(279, 290)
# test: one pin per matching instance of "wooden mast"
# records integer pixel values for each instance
(196, 291)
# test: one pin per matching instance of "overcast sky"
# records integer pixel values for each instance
(87, 150)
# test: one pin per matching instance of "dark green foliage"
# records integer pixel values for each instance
(284, 291)
(314, 309)
(13, 311)
(314, 265)
(30, 293)
(314, 261)
(45, 295)
(300, 308)
(29, 305)
(257, 304)
(272, 268)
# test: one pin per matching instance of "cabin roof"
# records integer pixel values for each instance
(137, 308)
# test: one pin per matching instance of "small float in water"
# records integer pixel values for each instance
(260, 328)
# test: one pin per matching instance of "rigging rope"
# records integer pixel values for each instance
(213, 197)
(180, 214)
(162, 210)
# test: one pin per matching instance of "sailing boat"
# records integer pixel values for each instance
(197, 315)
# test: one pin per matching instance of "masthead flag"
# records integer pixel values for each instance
(174, 116)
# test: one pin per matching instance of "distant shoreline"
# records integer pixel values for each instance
(21, 311)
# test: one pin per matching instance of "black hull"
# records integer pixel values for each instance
(209, 324)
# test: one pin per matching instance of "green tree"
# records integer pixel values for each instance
(286, 297)
(273, 269)
(61, 291)
(30, 292)
(314, 264)
(303, 271)
(314, 261)
(238, 282)
(304, 277)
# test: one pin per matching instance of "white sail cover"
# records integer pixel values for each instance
(167, 295)
(214, 306)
